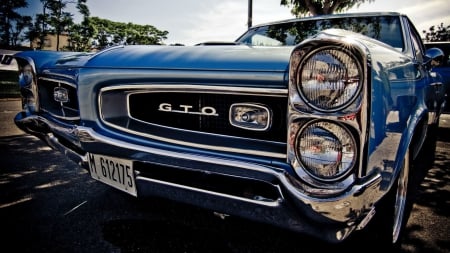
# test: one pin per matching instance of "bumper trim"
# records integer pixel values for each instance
(45, 130)
(331, 218)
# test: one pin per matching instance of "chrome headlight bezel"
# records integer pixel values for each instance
(333, 85)
(351, 115)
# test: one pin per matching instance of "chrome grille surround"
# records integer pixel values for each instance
(116, 112)
(60, 110)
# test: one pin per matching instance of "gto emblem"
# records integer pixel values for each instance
(187, 109)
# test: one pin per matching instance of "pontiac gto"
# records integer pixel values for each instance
(312, 124)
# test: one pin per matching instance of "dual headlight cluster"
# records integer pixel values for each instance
(325, 92)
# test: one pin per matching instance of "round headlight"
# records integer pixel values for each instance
(326, 150)
(26, 76)
(329, 79)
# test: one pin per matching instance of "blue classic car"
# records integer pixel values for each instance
(313, 124)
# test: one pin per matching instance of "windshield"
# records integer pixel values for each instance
(383, 28)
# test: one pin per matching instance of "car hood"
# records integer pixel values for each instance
(52, 59)
(240, 57)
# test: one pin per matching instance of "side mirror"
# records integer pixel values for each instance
(435, 56)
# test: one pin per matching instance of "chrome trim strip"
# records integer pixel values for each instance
(61, 117)
(71, 77)
(106, 50)
(149, 88)
(58, 81)
(264, 203)
(202, 146)
(72, 155)
(87, 134)
(33, 124)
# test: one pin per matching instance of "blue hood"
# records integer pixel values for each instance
(241, 58)
(44, 59)
(194, 57)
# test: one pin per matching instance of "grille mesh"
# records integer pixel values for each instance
(145, 107)
(67, 110)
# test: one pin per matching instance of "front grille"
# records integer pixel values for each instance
(145, 107)
(68, 110)
(144, 111)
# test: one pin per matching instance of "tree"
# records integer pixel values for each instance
(54, 20)
(20, 25)
(59, 20)
(34, 32)
(40, 26)
(321, 7)
(108, 33)
(10, 20)
(81, 34)
(437, 33)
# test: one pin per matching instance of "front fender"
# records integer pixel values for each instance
(399, 113)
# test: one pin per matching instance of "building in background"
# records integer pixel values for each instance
(50, 42)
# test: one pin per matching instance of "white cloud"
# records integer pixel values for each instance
(217, 24)
(192, 21)
(423, 14)
(428, 13)
(226, 20)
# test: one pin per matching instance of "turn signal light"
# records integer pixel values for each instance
(250, 116)
(61, 95)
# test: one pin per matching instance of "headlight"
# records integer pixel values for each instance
(326, 150)
(26, 76)
(329, 79)
(28, 88)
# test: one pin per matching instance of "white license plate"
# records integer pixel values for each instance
(113, 171)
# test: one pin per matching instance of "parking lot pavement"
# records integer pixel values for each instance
(8, 109)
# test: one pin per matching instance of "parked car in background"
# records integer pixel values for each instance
(310, 124)
(443, 68)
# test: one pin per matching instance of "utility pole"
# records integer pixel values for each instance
(44, 20)
(250, 13)
(58, 27)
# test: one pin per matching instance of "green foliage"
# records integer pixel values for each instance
(80, 35)
(437, 33)
(55, 20)
(108, 33)
(11, 22)
(320, 7)
(59, 20)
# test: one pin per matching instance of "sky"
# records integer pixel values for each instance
(193, 21)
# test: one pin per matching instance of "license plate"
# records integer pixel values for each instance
(113, 171)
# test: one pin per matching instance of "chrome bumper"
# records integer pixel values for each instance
(48, 131)
(331, 218)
